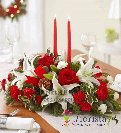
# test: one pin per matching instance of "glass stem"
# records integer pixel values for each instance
(12, 59)
(90, 52)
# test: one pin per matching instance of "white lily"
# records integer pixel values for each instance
(31, 59)
(86, 72)
(19, 80)
(59, 94)
(78, 58)
(21, 77)
(116, 85)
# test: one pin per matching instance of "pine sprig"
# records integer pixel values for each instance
(75, 66)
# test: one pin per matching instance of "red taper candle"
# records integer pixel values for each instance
(69, 41)
(55, 38)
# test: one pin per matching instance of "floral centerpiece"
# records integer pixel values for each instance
(49, 81)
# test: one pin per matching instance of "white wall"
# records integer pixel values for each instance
(86, 16)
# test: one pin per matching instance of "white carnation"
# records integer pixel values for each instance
(103, 108)
(62, 64)
(110, 79)
(116, 96)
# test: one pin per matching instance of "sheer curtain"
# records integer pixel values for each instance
(30, 27)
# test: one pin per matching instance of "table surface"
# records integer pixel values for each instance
(45, 127)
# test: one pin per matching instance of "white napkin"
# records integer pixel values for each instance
(19, 123)
(35, 129)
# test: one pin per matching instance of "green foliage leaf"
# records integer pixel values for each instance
(109, 105)
(48, 76)
(54, 68)
(116, 105)
(76, 109)
(75, 66)
(35, 63)
(56, 109)
(46, 69)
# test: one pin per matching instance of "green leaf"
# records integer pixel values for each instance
(109, 104)
(116, 105)
(54, 68)
(75, 66)
(48, 76)
(76, 108)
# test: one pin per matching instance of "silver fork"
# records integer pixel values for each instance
(11, 114)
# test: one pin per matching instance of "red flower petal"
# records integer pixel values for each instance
(85, 107)
(32, 80)
(14, 92)
(38, 99)
(3, 82)
(29, 92)
(40, 71)
(79, 97)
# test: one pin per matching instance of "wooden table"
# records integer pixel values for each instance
(45, 127)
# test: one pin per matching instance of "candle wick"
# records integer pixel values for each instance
(68, 18)
(55, 16)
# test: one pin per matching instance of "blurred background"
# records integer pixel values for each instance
(95, 24)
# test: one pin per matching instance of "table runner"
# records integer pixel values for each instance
(83, 124)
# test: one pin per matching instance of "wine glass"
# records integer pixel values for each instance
(88, 41)
(12, 36)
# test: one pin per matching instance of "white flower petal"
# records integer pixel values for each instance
(19, 78)
(110, 79)
(96, 70)
(78, 58)
(56, 86)
(45, 91)
(64, 105)
(116, 96)
(30, 73)
(62, 64)
(70, 87)
(95, 81)
(68, 98)
(103, 108)
(89, 64)
(49, 99)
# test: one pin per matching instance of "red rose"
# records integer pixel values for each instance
(67, 76)
(102, 92)
(10, 76)
(40, 71)
(14, 92)
(3, 82)
(85, 107)
(38, 99)
(28, 92)
(32, 80)
(79, 97)
(46, 61)
(98, 74)
(102, 83)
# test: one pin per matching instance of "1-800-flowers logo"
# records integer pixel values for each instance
(80, 121)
